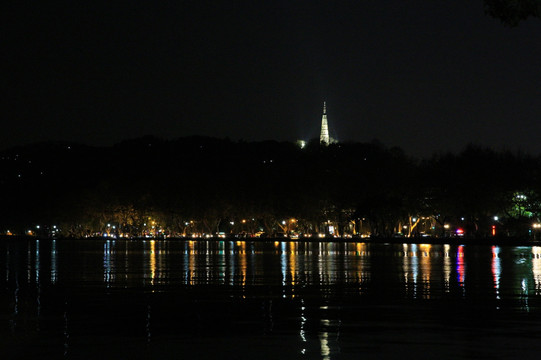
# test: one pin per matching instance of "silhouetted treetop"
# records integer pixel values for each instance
(511, 12)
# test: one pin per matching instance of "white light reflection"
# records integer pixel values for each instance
(536, 268)
(329, 334)
(207, 261)
(320, 264)
(232, 260)
(54, 269)
(496, 269)
(185, 263)
(222, 262)
(524, 295)
(38, 295)
(302, 333)
(126, 261)
(410, 267)
(37, 264)
(283, 263)
(414, 268)
(447, 268)
(107, 262)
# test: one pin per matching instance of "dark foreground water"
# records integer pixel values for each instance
(267, 300)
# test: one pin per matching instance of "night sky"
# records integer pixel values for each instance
(423, 75)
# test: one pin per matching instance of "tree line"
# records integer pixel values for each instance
(198, 186)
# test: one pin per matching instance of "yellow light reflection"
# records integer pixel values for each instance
(292, 265)
(242, 262)
(426, 269)
(152, 261)
(191, 262)
(361, 249)
(324, 341)
(361, 276)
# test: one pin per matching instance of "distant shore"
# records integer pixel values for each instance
(497, 241)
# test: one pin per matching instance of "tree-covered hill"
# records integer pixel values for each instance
(198, 186)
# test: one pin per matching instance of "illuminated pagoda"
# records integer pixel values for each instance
(324, 137)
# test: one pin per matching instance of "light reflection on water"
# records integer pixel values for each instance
(319, 291)
(496, 269)
(416, 271)
(536, 268)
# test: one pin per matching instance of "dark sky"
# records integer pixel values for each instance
(422, 75)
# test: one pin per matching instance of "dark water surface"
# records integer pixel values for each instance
(173, 299)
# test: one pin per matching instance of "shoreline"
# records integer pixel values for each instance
(496, 241)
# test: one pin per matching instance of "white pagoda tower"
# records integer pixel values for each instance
(324, 138)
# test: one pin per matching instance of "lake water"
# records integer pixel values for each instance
(175, 299)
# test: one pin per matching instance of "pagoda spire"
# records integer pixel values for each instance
(324, 138)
